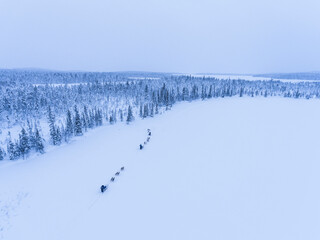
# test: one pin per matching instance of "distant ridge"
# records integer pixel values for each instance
(315, 75)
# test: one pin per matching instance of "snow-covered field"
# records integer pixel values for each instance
(237, 168)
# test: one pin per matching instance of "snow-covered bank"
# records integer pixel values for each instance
(237, 168)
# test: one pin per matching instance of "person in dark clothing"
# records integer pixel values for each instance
(112, 179)
(122, 168)
(141, 146)
(103, 188)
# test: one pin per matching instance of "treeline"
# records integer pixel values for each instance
(29, 140)
(78, 122)
(71, 110)
(300, 76)
(27, 101)
(63, 77)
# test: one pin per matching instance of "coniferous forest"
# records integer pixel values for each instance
(41, 108)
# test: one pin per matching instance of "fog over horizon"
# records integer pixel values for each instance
(187, 36)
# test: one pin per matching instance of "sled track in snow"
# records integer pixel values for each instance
(112, 179)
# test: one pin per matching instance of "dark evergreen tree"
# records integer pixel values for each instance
(31, 135)
(210, 92)
(146, 93)
(16, 152)
(130, 117)
(241, 92)
(152, 110)
(111, 119)
(69, 126)
(145, 111)
(100, 117)
(91, 120)
(141, 111)
(2, 153)
(58, 136)
(77, 122)
(185, 94)
(86, 115)
(11, 150)
(121, 115)
(84, 122)
(24, 145)
(39, 142)
(53, 131)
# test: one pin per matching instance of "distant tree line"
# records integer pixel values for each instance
(298, 76)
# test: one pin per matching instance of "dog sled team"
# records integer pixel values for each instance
(103, 188)
(141, 146)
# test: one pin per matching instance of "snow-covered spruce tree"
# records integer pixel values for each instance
(10, 147)
(77, 122)
(241, 92)
(157, 109)
(121, 115)
(69, 126)
(84, 122)
(97, 117)
(130, 117)
(2, 153)
(38, 141)
(146, 93)
(13, 150)
(24, 145)
(53, 131)
(16, 151)
(145, 111)
(141, 111)
(91, 119)
(113, 117)
(58, 136)
(30, 135)
(185, 94)
(203, 92)
(100, 117)
(114, 113)
(210, 92)
(86, 116)
(152, 110)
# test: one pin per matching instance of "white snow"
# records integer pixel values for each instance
(237, 168)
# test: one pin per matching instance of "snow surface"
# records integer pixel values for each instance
(236, 168)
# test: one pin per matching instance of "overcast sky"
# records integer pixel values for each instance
(192, 36)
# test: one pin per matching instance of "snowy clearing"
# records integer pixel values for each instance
(236, 168)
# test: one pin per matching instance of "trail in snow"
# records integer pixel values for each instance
(108, 185)
(221, 169)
